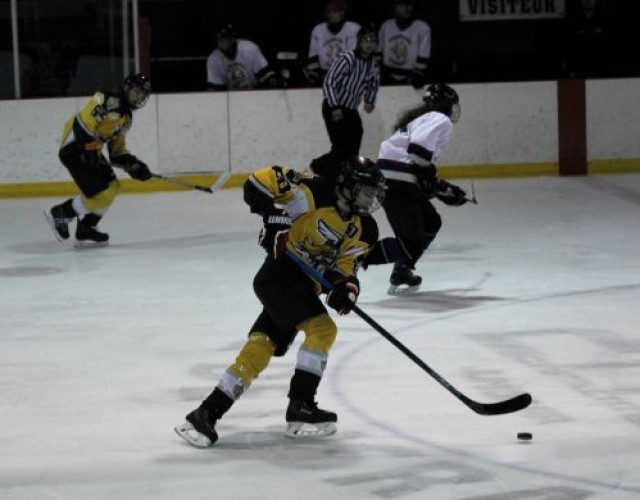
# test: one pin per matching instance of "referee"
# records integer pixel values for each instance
(353, 76)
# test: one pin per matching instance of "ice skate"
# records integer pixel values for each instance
(199, 429)
(305, 419)
(89, 236)
(403, 281)
(58, 223)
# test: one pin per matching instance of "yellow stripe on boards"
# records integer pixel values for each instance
(488, 171)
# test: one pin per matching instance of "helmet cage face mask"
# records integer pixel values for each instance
(360, 188)
(137, 90)
(137, 97)
(367, 199)
(454, 115)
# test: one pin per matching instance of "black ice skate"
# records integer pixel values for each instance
(305, 419)
(199, 429)
(89, 236)
(403, 281)
(58, 223)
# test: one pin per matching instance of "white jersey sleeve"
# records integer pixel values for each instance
(216, 69)
(252, 57)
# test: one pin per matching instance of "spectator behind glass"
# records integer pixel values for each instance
(237, 64)
(328, 39)
(586, 53)
(405, 45)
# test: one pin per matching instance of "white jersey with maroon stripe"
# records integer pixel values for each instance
(404, 51)
(420, 144)
(325, 45)
(245, 71)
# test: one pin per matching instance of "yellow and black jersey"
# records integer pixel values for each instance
(104, 120)
(319, 234)
(332, 245)
(284, 188)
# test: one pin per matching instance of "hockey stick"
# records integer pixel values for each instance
(473, 194)
(182, 183)
(178, 182)
(514, 404)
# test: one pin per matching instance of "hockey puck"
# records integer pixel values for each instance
(525, 436)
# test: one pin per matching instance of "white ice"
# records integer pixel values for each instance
(536, 289)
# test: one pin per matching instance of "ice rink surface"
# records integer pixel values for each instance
(536, 289)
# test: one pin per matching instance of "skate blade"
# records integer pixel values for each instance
(52, 225)
(90, 244)
(401, 289)
(187, 432)
(297, 430)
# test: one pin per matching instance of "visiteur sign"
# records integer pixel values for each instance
(499, 10)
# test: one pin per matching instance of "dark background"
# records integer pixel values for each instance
(72, 47)
(461, 51)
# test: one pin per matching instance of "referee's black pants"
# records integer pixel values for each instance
(345, 136)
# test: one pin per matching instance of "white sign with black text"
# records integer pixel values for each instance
(498, 10)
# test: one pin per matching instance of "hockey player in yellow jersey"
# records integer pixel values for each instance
(105, 120)
(332, 231)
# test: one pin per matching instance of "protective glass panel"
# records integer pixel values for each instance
(70, 47)
(6, 54)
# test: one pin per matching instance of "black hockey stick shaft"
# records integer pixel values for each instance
(182, 183)
(172, 180)
(514, 404)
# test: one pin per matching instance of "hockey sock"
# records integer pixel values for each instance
(218, 403)
(304, 386)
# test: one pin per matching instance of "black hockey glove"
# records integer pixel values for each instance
(427, 180)
(138, 171)
(343, 295)
(450, 194)
(131, 165)
(272, 237)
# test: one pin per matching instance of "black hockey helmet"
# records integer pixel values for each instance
(367, 32)
(441, 97)
(360, 187)
(136, 88)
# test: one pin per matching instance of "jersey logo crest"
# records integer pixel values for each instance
(351, 230)
(332, 237)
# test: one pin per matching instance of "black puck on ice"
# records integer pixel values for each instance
(525, 436)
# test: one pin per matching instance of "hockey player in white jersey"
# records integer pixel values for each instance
(408, 161)
(405, 45)
(237, 64)
(330, 38)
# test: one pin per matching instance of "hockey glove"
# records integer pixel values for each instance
(272, 237)
(427, 180)
(343, 295)
(450, 194)
(138, 171)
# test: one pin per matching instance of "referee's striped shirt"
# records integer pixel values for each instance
(350, 78)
